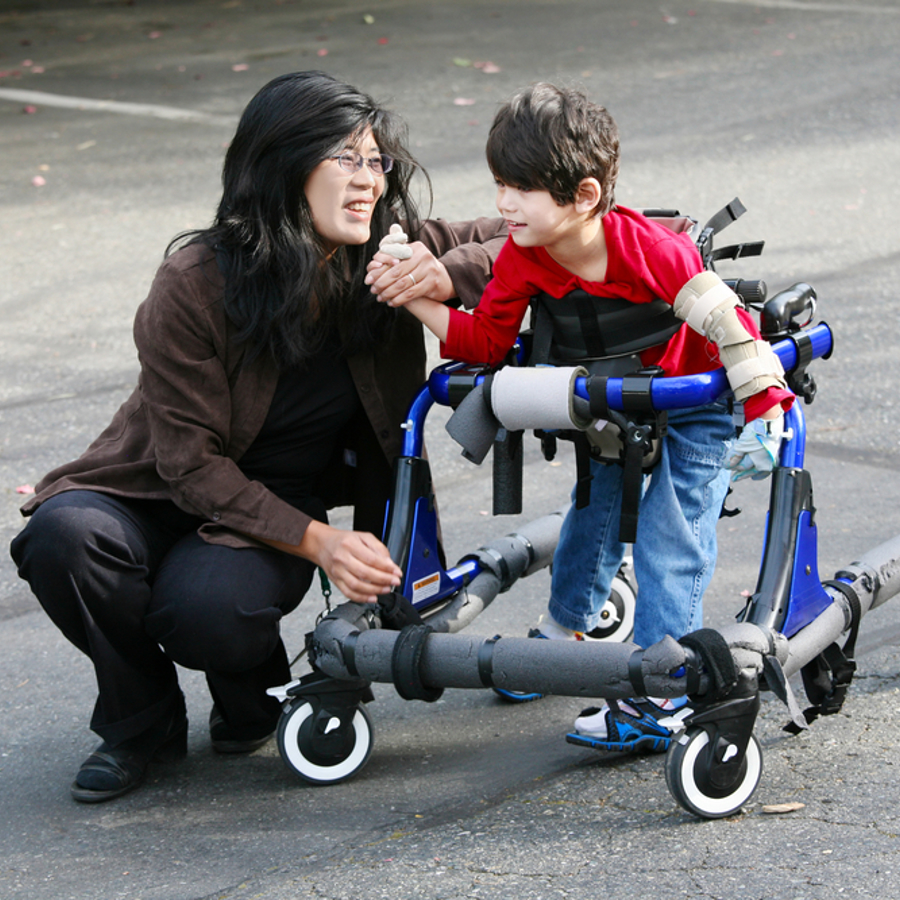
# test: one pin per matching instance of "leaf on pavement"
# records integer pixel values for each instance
(781, 808)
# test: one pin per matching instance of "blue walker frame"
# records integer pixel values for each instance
(714, 764)
(789, 593)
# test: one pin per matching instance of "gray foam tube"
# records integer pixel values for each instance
(535, 397)
(875, 578)
(569, 668)
(580, 668)
(542, 535)
(823, 631)
(878, 572)
(467, 605)
(524, 552)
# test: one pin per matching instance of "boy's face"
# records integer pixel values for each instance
(534, 218)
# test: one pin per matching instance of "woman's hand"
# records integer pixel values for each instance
(356, 562)
(397, 281)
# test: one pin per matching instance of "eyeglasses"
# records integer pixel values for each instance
(351, 161)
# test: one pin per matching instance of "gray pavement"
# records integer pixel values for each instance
(791, 105)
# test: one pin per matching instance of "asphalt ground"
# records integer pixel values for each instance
(113, 122)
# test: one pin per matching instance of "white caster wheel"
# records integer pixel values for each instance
(617, 615)
(688, 778)
(344, 754)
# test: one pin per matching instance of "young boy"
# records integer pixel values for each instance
(555, 157)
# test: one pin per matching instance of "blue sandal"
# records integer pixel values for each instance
(641, 725)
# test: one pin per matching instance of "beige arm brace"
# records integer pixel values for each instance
(708, 306)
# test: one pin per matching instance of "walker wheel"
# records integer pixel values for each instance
(687, 776)
(617, 615)
(318, 748)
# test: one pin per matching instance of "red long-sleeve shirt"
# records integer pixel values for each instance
(645, 261)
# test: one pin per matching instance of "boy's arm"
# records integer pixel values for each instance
(435, 316)
(754, 372)
(485, 336)
(450, 261)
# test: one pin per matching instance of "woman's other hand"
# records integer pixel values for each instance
(397, 281)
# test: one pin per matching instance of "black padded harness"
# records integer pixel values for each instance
(580, 328)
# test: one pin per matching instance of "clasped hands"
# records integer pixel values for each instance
(402, 271)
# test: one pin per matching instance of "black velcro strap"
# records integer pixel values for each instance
(596, 388)
(583, 476)
(636, 673)
(717, 661)
(590, 328)
(725, 216)
(543, 333)
(637, 390)
(804, 346)
(827, 677)
(406, 663)
(738, 251)
(855, 612)
(632, 485)
(396, 611)
(349, 649)
(486, 661)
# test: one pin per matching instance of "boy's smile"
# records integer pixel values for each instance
(570, 233)
(534, 218)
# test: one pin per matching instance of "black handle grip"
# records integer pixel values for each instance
(778, 314)
(753, 293)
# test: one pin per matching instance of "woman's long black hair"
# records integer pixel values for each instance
(283, 291)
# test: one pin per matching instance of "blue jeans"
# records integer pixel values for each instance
(675, 550)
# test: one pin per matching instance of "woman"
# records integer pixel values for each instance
(272, 388)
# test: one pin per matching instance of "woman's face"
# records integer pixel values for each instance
(342, 202)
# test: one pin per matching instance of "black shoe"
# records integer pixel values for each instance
(243, 739)
(110, 772)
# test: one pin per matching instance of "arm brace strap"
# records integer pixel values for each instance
(708, 306)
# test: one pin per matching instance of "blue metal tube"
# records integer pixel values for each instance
(414, 426)
(666, 393)
(794, 448)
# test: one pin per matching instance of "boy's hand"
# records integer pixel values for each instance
(755, 453)
(397, 281)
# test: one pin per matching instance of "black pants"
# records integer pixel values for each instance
(132, 585)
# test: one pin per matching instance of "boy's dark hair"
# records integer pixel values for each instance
(549, 138)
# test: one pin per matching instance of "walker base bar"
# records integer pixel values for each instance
(713, 764)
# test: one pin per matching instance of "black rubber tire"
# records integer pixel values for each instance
(294, 746)
(685, 763)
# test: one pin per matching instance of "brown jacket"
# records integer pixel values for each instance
(198, 405)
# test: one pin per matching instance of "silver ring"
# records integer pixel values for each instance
(411, 278)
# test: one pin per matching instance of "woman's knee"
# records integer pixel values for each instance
(91, 539)
(214, 636)
(56, 538)
(209, 611)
